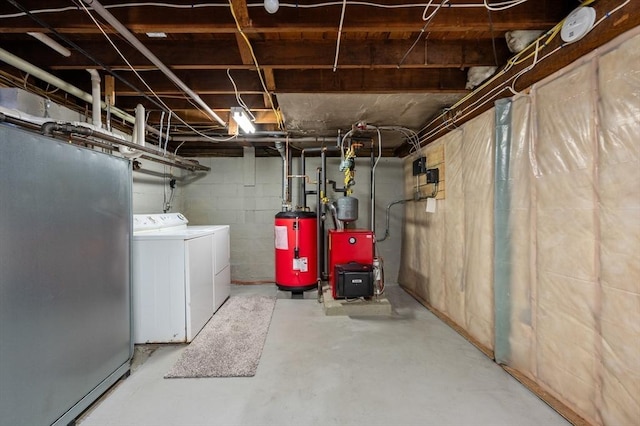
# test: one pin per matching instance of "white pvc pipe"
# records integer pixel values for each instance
(96, 111)
(100, 9)
(140, 125)
(137, 135)
(41, 74)
(43, 38)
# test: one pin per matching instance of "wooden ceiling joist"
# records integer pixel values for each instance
(624, 20)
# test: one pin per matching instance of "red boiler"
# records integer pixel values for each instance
(349, 249)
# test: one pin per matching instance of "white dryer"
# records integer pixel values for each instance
(173, 271)
(221, 263)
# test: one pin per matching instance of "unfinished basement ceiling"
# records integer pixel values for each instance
(392, 68)
(321, 114)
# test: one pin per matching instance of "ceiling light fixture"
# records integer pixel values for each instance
(241, 117)
(42, 37)
(157, 35)
(271, 6)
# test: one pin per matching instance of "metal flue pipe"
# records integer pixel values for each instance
(117, 25)
(285, 174)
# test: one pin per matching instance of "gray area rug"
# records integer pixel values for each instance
(230, 344)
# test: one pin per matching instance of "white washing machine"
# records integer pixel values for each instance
(173, 278)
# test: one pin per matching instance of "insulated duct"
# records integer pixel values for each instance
(100, 9)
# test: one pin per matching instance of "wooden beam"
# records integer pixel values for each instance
(372, 81)
(449, 80)
(618, 23)
(224, 54)
(270, 81)
(204, 82)
(540, 14)
(217, 102)
(110, 90)
(241, 13)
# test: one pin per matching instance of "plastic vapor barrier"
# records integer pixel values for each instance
(448, 253)
(535, 252)
(566, 288)
(619, 224)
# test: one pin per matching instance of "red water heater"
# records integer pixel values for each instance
(296, 251)
(348, 246)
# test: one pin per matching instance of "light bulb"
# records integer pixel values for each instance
(271, 6)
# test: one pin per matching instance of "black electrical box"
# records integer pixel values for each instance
(354, 280)
(433, 176)
(420, 166)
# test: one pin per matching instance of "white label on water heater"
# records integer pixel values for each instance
(301, 264)
(281, 238)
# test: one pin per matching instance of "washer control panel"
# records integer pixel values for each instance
(158, 222)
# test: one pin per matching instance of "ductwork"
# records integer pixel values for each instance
(100, 9)
(40, 74)
(96, 104)
(27, 67)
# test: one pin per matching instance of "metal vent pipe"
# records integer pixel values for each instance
(131, 38)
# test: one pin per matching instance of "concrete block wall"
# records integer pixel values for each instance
(245, 193)
(151, 186)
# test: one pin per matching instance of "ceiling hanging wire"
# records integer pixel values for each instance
(255, 62)
(238, 97)
(491, 6)
(424, 27)
(493, 38)
(133, 40)
(344, 8)
(534, 49)
(164, 106)
(31, 14)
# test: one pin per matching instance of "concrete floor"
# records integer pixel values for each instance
(407, 369)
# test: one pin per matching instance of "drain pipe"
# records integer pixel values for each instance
(106, 15)
(96, 111)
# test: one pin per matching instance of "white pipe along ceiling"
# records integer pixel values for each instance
(100, 9)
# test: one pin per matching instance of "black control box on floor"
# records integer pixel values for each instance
(354, 280)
